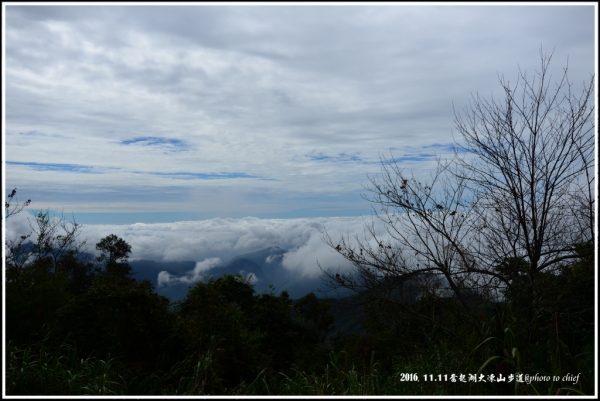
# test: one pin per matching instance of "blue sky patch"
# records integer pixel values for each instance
(154, 141)
(449, 147)
(413, 158)
(340, 157)
(70, 168)
(206, 176)
(318, 157)
(39, 134)
(346, 157)
(33, 133)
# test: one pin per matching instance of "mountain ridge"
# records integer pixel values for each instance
(264, 268)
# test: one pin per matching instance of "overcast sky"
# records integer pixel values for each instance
(144, 114)
(252, 111)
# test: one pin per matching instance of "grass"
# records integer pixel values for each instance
(37, 370)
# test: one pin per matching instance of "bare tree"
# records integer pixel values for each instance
(512, 205)
(10, 208)
(13, 247)
(55, 239)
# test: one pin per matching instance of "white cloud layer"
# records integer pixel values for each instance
(210, 242)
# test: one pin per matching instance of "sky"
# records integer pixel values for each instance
(246, 119)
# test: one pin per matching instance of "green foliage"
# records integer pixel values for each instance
(39, 278)
(37, 370)
(43, 277)
(114, 249)
(33, 298)
(114, 253)
(256, 332)
(219, 308)
(116, 313)
(315, 313)
(127, 319)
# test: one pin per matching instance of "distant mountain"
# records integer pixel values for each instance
(268, 259)
(244, 266)
(263, 267)
(241, 265)
(149, 269)
(270, 262)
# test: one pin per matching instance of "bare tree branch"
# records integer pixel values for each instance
(513, 203)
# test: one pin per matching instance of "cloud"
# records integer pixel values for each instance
(308, 259)
(17, 225)
(166, 279)
(213, 241)
(290, 100)
(273, 258)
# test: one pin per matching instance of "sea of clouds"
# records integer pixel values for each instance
(212, 241)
